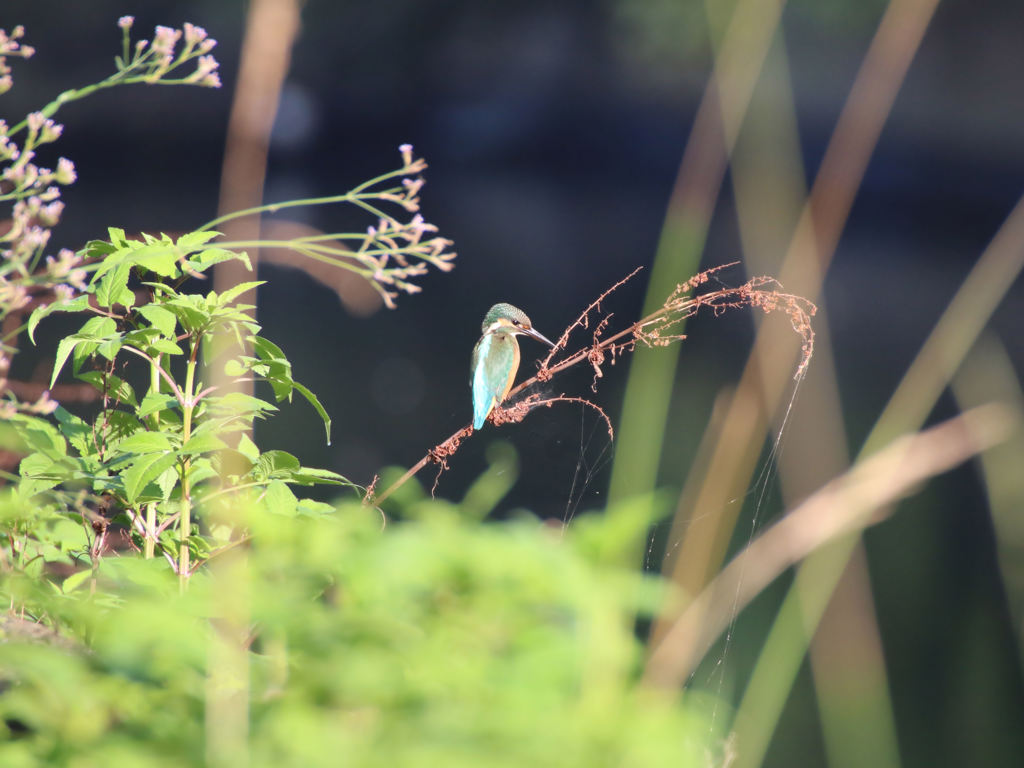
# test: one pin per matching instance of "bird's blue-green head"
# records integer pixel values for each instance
(504, 318)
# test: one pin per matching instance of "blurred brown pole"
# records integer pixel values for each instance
(271, 29)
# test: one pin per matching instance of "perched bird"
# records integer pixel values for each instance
(496, 358)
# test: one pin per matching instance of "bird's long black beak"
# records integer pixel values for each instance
(537, 335)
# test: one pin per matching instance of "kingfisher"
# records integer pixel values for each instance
(496, 357)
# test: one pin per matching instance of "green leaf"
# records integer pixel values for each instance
(204, 443)
(113, 426)
(202, 470)
(145, 470)
(39, 472)
(166, 347)
(114, 386)
(98, 249)
(234, 368)
(279, 499)
(160, 257)
(239, 403)
(235, 291)
(77, 304)
(108, 349)
(161, 319)
(276, 464)
(154, 402)
(192, 314)
(211, 256)
(145, 441)
(160, 289)
(96, 329)
(78, 433)
(248, 448)
(141, 338)
(168, 479)
(311, 508)
(312, 476)
(315, 402)
(36, 465)
(273, 367)
(40, 435)
(193, 241)
(113, 287)
(75, 580)
(64, 348)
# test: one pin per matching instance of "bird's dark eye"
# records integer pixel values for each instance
(516, 323)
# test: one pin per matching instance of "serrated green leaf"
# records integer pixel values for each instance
(267, 350)
(234, 368)
(240, 403)
(313, 476)
(113, 287)
(202, 470)
(159, 256)
(40, 436)
(277, 464)
(279, 499)
(160, 289)
(64, 348)
(97, 329)
(154, 402)
(235, 291)
(203, 443)
(145, 470)
(168, 480)
(145, 441)
(36, 465)
(116, 388)
(75, 580)
(211, 256)
(141, 338)
(77, 432)
(248, 448)
(66, 535)
(30, 486)
(161, 319)
(193, 241)
(311, 508)
(114, 425)
(76, 304)
(166, 347)
(98, 249)
(108, 348)
(186, 308)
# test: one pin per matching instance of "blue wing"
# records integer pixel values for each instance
(495, 360)
(484, 394)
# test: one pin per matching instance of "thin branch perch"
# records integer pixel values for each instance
(659, 328)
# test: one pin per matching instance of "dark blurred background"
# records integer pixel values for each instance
(554, 132)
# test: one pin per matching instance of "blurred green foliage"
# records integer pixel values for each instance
(437, 641)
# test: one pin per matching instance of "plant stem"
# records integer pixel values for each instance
(350, 197)
(186, 493)
(149, 542)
